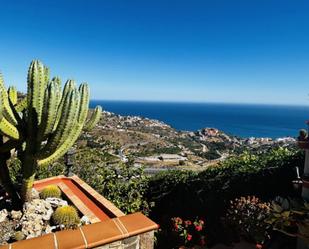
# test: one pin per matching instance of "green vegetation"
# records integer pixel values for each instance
(186, 193)
(42, 126)
(159, 150)
(123, 184)
(209, 155)
(190, 194)
(50, 191)
(66, 216)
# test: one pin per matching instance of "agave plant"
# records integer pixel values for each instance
(42, 126)
(290, 217)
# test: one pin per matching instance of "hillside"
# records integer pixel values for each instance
(154, 144)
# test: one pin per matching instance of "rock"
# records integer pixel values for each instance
(6, 231)
(56, 202)
(85, 220)
(16, 215)
(48, 214)
(36, 214)
(32, 227)
(3, 215)
(35, 194)
(50, 229)
(37, 206)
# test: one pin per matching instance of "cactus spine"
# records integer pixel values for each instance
(45, 124)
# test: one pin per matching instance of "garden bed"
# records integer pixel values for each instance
(104, 223)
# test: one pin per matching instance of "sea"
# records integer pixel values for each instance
(242, 120)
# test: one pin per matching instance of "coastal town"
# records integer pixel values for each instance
(158, 146)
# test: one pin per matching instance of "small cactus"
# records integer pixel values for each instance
(66, 216)
(50, 191)
(19, 235)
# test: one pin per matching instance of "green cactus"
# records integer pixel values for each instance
(67, 216)
(42, 126)
(17, 236)
(50, 191)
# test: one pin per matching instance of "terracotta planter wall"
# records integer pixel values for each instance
(110, 227)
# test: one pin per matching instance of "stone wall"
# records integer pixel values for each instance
(142, 241)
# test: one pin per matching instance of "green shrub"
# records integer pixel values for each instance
(66, 216)
(14, 166)
(55, 169)
(50, 191)
(187, 194)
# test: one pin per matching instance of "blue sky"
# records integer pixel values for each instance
(245, 51)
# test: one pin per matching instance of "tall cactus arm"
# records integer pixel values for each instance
(12, 92)
(36, 90)
(7, 111)
(57, 82)
(69, 86)
(95, 117)
(51, 102)
(21, 105)
(70, 121)
(84, 106)
(1, 107)
(74, 134)
(6, 128)
(4, 98)
(9, 130)
(65, 122)
(46, 75)
(71, 125)
(21, 125)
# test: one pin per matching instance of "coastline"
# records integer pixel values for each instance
(242, 120)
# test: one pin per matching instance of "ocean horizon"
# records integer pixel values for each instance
(243, 120)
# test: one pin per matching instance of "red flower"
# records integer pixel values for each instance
(188, 223)
(198, 228)
(258, 246)
(189, 237)
(176, 227)
(178, 220)
(201, 222)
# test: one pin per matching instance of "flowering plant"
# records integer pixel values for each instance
(247, 215)
(190, 232)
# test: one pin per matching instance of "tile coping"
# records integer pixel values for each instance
(90, 236)
(108, 226)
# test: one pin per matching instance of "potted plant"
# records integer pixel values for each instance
(302, 138)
